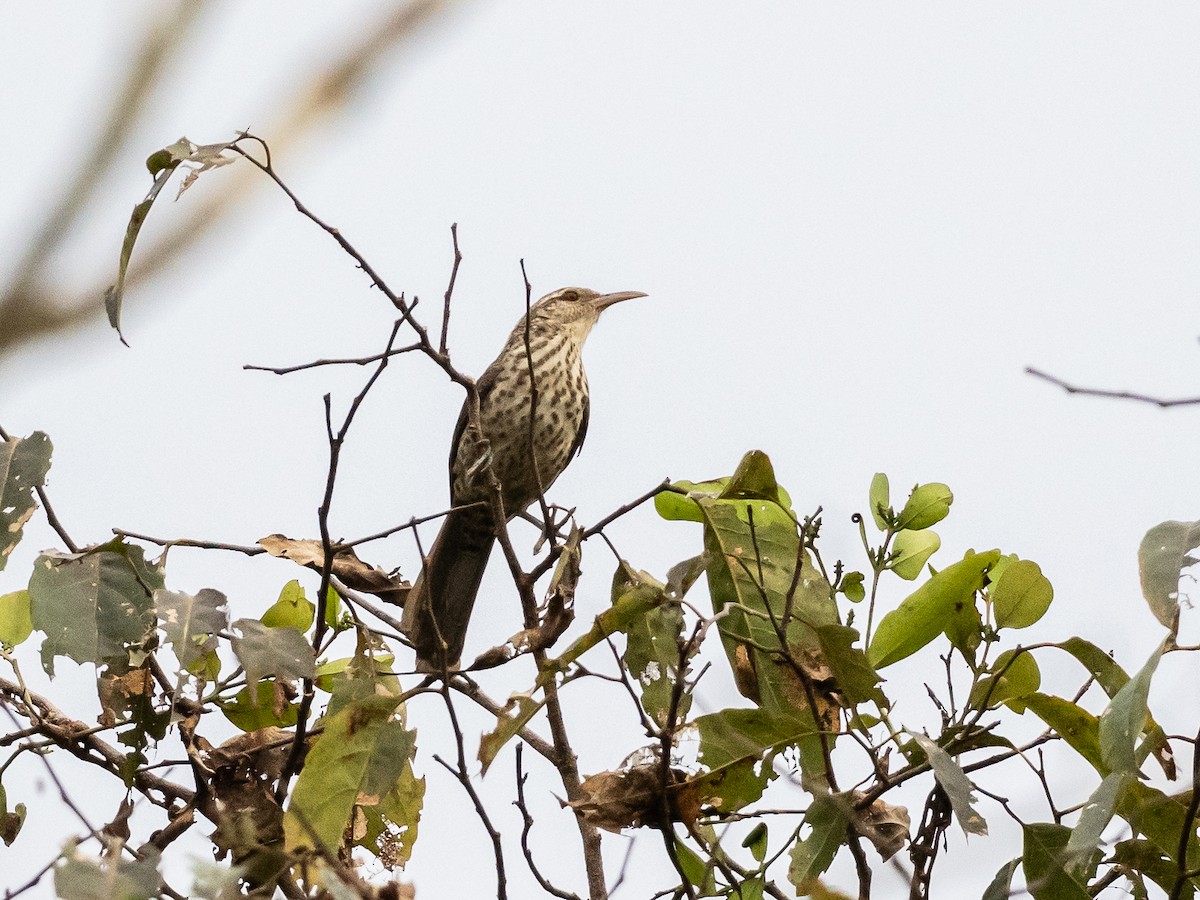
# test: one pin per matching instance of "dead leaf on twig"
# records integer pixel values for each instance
(347, 567)
(554, 618)
(256, 753)
(884, 825)
(631, 798)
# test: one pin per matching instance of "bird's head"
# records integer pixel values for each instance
(573, 308)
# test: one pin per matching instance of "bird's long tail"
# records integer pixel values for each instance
(439, 607)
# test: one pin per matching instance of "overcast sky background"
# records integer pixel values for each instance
(856, 224)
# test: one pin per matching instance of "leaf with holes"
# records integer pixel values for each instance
(264, 651)
(93, 605)
(24, 463)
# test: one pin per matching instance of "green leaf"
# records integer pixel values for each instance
(634, 595)
(1123, 720)
(263, 651)
(1111, 677)
(1094, 818)
(1142, 857)
(756, 841)
(682, 507)
(923, 615)
(330, 673)
(23, 467)
(10, 822)
(697, 872)
(161, 165)
(523, 708)
(1161, 818)
(1075, 725)
(879, 499)
(682, 575)
(1044, 866)
(754, 478)
(852, 673)
(190, 623)
(79, 877)
(955, 783)
(732, 787)
(812, 855)
(964, 630)
(753, 548)
(291, 610)
(927, 505)
(93, 605)
(913, 549)
(358, 758)
(333, 612)
(15, 622)
(1021, 596)
(852, 586)
(1015, 674)
(1001, 886)
(733, 735)
(1164, 553)
(252, 711)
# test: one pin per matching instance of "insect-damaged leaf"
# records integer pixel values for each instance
(264, 651)
(355, 763)
(1164, 552)
(189, 623)
(24, 463)
(93, 605)
(653, 651)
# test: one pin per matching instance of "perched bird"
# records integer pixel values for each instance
(439, 605)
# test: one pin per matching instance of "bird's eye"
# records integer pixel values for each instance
(570, 296)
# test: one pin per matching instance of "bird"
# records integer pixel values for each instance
(547, 342)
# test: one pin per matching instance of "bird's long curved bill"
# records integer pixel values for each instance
(604, 301)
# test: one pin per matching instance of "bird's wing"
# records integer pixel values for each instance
(582, 432)
(483, 386)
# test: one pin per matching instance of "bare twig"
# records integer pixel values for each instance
(449, 290)
(1113, 395)
(464, 778)
(527, 826)
(1189, 827)
(349, 361)
(187, 542)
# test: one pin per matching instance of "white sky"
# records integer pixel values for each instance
(857, 225)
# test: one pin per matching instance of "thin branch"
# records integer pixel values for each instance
(349, 361)
(1189, 827)
(527, 826)
(12, 893)
(449, 291)
(460, 773)
(1113, 395)
(336, 442)
(187, 542)
(411, 523)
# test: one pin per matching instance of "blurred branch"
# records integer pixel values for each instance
(26, 307)
(31, 307)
